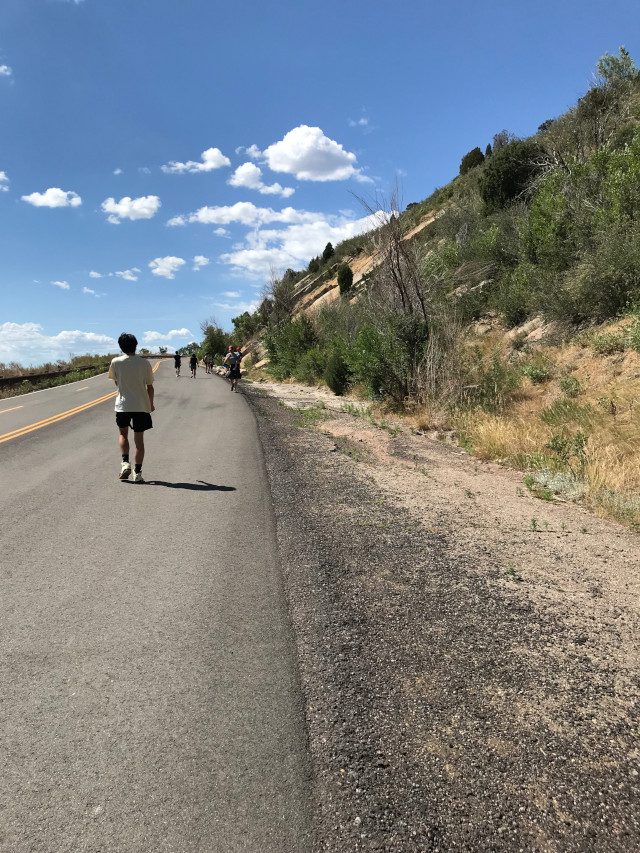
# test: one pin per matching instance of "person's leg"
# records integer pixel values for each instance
(138, 439)
(123, 441)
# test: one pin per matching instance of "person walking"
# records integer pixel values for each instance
(193, 363)
(177, 360)
(134, 402)
(233, 359)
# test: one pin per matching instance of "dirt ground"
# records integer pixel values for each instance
(562, 554)
(539, 621)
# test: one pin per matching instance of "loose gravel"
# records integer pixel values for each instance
(446, 709)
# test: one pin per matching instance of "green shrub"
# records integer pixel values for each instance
(570, 451)
(491, 387)
(607, 281)
(287, 344)
(570, 386)
(336, 374)
(345, 278)
(474, 158)
(512, 296)
(508, 173)
(310, 366)
(608, 343)
(327, 253)
(386, 357)
(632, 336)
(537, 372)
(551, 238)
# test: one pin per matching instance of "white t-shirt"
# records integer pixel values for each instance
(132, 374)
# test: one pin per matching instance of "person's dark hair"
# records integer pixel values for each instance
(127, 342)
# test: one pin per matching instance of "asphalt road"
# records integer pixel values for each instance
(149, 693)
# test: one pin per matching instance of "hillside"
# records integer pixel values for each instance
(313, 291)
(504, 309)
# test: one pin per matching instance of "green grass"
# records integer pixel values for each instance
(26, 386)
(311, 417)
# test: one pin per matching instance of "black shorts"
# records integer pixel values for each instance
(234, 373)
(140, 421)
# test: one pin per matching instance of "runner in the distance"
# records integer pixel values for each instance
(193, 363)
(177, 360)
(134, 403)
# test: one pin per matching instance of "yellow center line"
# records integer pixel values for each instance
(16, 433)
(82, 389)
(11, 410)
(54, 418)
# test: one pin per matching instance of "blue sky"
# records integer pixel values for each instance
(159, 158)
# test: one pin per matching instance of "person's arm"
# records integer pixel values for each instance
(112, 374)
(150, 392)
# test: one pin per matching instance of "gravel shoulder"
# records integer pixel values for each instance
(468, 653)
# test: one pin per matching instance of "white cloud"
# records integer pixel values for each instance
(293, 246)
(364, 122)
(252, 151)
(144, 170)
(144, 207)
(211, 159)
(311, 156)
(237, 307)
(118, 172)
(232, 294)
(250, 176)
(199, 261)
(221, 232)
(244, 213)
(129, 275)
(94, 274)
(63, 285)
(27, 344)
(155, 338)
(5, 71)
(166, 267)
(4, 182)
(88, 290)
(53, 197)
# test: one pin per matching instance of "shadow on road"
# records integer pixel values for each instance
(200, 486)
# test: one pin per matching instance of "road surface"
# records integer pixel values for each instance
(149, 695)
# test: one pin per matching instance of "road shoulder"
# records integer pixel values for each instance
(470, 677)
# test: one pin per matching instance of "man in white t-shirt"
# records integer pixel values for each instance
(134, 377)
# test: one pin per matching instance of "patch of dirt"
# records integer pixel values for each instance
(469, 653)
(559, 548)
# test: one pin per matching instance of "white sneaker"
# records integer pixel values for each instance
(138, 478)
(125, 471)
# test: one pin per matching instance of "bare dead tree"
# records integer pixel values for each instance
(207, 323)
(398, 266)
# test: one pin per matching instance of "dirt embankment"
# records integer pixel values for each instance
(469, 654)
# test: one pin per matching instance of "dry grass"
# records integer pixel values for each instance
(607, 411)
